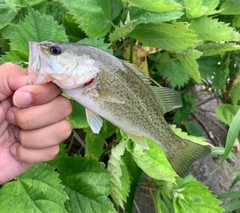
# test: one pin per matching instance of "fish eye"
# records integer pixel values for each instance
(55, 50)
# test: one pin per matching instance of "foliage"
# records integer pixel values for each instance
(179, 44)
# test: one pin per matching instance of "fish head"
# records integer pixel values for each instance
(61, 63)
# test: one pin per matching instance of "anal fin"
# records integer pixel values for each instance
(138, 139)
(94, 121)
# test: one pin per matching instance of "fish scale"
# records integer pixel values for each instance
(117, 91)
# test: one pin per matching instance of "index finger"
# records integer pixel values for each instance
(32, 95)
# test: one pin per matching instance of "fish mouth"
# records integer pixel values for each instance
(36, 61)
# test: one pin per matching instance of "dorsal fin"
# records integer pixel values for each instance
(168, 98)
(137, 71)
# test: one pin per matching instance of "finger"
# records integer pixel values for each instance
(12, 78)
(39, 116)
(31, 95)
(45, 137)
(33, 155)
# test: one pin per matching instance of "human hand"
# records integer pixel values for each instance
(32, 122)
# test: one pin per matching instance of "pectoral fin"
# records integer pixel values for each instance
(105, 96)
(94, 121)
(138, 139)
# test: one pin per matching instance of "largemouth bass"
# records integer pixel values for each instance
(117, 91)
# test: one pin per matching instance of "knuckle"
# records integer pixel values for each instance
(22, 119)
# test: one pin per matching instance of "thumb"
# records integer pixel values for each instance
(12, 77)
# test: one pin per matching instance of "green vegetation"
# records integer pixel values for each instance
(179, 44)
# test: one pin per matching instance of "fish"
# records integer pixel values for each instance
(117, 91)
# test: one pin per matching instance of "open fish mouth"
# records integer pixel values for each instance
(36, 62)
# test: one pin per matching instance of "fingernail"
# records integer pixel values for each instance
(22, 99)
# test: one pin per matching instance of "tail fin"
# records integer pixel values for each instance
(182, 159)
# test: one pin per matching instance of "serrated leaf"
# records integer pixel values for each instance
(185, 135)
(190, 64)
(95, 142)
(210, 49)
(231, 7)
(175, 36)
(191, 196)
(87, 185)
(208, 65)
(188, 201)
(98, 43)
(20, 3)
(198, 8)
(226, 112)
(36, 27)
(210, 29)
(138, 16)
(153, 162)
(93, 16)
(155, 6)
(173, 71)
(6, 15)
(123, 29)
(37, 190)
(78, 118)
(14, 56)
(120, 180)
(234, 93)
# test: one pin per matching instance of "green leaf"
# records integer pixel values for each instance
(220, 151)
(137, 16)
(175, 36)
(191, 196)
(210, 49)
(173, 71)
(36, 27)
(190, 64)
(123, 29)
(231, 7)
(95, 142)
(193, 129)
(234, 195)
(37, 190)
(120, 179)
(6, 15)
(234, 93)
(153, 162)
(155, 6)
(232, 135)
(98, 43)
(210, 29)
(87, 185)
(208, 65)
(21, 3)
(198, 8)
(231, 206)
(93, 16)
(144, 16)
(78, 118)
(226, 112)
(185, 135)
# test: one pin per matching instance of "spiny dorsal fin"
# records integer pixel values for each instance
(168, 98)
(137, 71)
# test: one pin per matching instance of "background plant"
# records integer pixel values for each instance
(179, 44)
